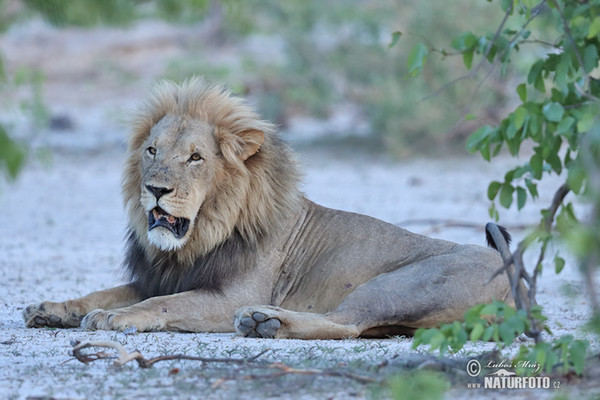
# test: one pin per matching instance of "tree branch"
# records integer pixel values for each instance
(515, 269)
(125, 357)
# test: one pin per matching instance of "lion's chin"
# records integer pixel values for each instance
(164, 239)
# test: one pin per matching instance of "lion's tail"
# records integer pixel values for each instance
(498, 238)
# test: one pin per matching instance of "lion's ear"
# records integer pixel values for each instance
(251, 141)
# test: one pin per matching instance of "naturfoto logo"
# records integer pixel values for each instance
(503, 378)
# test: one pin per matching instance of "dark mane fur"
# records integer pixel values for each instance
(166, 275)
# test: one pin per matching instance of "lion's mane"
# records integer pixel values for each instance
(248, 202)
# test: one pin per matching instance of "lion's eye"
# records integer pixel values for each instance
(195, 157)
(151, 150)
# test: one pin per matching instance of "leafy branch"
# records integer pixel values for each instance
(559, 102)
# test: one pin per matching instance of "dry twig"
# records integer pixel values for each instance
(125, 357)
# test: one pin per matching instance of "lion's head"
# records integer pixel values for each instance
(201, 164)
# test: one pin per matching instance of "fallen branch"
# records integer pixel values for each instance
(125, 357)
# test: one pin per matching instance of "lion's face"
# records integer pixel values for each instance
(179, 161)
(202, 164)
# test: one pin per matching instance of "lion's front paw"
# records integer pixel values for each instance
(251, 322)
(120, 320)
(98, 320)
(56, 315)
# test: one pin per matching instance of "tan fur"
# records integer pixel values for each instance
(254, 239)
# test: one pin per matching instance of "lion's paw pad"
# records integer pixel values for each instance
(36, 316)
(258, 325)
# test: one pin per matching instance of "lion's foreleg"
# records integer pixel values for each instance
(193, 311)
(68, 314)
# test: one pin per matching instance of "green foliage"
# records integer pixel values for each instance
(564, 353)
(12, 155)
(420, 385)
(84, 12)
(417, 59)
(501, 324)
(558, 100)
(555, 115)
(495, 321)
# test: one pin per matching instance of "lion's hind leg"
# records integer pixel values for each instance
(276, 322)
(428, 293)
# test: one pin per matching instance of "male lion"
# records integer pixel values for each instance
(220, 238)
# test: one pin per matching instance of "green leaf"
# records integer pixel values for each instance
(532, 187)
(576, 177)
(577, 353)
(511, 131)
(477, 332)
(522, 92)
(559, 264)
(521, 197)
(395, 37)
(417, 59)
(519, 116)
(468, 58)
(464, 42)
(507, 335)
(585, 117)
(553, 112)
(493, 212)
(535, 76)
(479, 136)
(594, 28)
(489, 309)
(537, 165)
(506, 4)
(506, 195)
(12, 155)
(493, 189)
(590, 58)
(554, 160)
(437, 341)
(487, 333)
(565, 125)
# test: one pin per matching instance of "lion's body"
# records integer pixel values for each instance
(219, 229)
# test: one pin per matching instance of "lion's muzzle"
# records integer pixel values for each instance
(157, 217)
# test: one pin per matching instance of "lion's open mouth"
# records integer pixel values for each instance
(177, 225)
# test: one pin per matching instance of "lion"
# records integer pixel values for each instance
(221, 239)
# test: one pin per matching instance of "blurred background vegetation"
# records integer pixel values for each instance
(313, 63)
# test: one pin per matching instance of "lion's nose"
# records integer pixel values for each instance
(158, 192)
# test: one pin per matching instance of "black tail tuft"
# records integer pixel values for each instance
(490, 241)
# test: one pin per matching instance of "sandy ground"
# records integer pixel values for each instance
(62, 236)
(62, 231)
